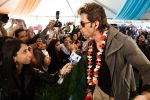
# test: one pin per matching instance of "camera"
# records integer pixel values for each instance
(4, 18)
(58, 23)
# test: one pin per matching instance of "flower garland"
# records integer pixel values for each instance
(93, 75)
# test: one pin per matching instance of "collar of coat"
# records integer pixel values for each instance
(115, 41)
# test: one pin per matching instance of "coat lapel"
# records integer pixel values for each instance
(114, 43)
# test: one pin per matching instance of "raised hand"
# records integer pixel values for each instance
(66, 69)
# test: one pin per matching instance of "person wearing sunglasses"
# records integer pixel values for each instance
(110, 55)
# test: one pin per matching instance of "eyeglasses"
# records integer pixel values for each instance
(83, 23)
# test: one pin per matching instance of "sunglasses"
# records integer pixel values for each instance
(83, 23)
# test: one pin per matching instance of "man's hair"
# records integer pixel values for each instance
(95, 12)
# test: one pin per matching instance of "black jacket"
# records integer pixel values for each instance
(21, 87)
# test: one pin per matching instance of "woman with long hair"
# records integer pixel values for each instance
(17, 76)
(12, 74)
(141, 42)
(72, 87)
(58, 57)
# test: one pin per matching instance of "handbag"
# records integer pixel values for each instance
(98, 94)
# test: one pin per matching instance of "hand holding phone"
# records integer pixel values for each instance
(74, 58)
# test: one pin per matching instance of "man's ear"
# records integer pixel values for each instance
(96, 24)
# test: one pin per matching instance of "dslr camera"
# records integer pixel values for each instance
(58, 23)
(4, 18)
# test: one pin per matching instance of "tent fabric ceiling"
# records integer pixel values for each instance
(68, 8)
(112, 7)
(7, 6)
(65, 10)
(133, 9)
(49, 8)
(146, 15)
(18, 7)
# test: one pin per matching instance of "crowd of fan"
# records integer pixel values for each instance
(50, 52)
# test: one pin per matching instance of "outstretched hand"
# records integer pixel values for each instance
(51, 24)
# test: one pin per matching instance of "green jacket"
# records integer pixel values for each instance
(73, 86)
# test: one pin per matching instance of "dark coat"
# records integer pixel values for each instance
(21, 87)
(17, 87)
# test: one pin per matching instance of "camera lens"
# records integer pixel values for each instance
(58, 24)
(57, 14)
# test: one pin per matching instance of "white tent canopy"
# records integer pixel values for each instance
(44, 10)
(67, 8)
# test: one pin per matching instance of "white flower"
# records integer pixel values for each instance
(89, 66)
(105, 34)
(97, 66)
(103, 42)
(90, 83)
(90, 50)
(101, 50)
(94, 78)
(89, 57)
(99, 53)
(98, 59)
(95, 69)
(88, 78)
